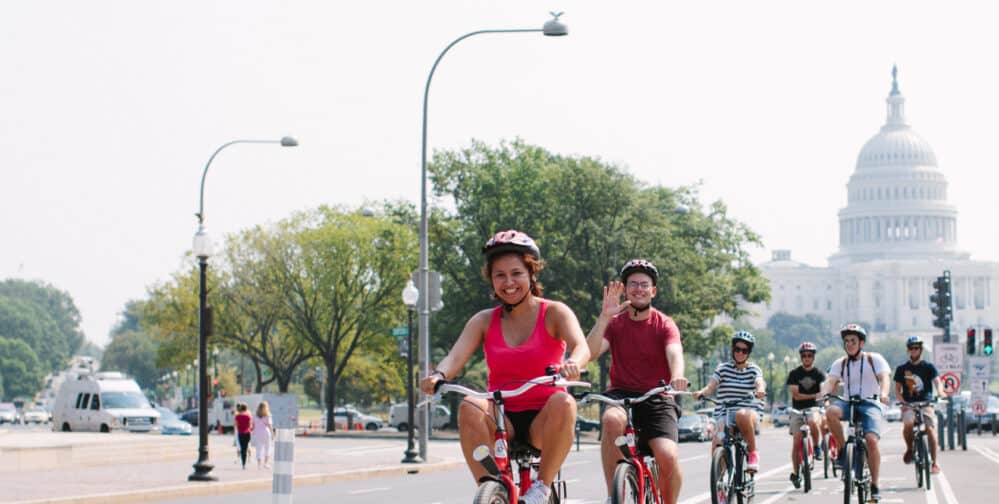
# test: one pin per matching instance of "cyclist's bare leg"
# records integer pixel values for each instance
(833, 416)
(907, 431)
(873, 456)
(476, 428)
(795, 451)
(552, 432)
(931, 436)
(813, 423)
(667, 455)
(613, 424)
(746, 420)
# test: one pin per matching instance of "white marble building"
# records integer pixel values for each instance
(897, 233)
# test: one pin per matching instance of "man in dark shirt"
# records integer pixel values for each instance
(915, 381)
(803, 382)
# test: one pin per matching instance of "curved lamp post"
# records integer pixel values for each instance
(410, 295)
(552, 28)
(770, 384)
(202, 248)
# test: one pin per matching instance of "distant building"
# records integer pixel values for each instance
(897, 233)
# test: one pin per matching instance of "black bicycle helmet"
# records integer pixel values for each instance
(853, 329)
(511, 241)
(640, 266)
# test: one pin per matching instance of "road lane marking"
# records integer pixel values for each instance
(777, 497)
(368, 490)
(707, 495)
(944, 486)
(987, 453)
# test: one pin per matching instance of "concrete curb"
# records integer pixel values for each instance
(194, 489)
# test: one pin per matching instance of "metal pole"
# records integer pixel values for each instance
(423, 280)
(202, 467)
(412, 457)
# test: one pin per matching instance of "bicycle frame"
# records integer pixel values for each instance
(922, 461)
(497, 463)
(807, 454)
(736, 452)
(647, 471)
(859, 465)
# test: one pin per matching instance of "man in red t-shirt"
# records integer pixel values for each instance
(645, 348)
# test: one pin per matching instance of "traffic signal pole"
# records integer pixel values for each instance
(943, 314)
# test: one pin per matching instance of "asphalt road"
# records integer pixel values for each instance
(967, 477)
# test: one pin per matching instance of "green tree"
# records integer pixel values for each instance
(57, 304)
(342, 274)
(133, 349)
(792, 330)
(23, 320)
(588, 217)
(22, 373)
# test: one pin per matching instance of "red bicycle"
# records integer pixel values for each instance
(636, 476)
(499, 487)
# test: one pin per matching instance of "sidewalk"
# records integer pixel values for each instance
(89, 468)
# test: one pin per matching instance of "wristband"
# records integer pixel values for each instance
(442, 374)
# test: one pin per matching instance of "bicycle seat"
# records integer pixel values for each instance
(519, 450)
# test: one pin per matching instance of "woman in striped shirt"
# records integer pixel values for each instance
(737, 382)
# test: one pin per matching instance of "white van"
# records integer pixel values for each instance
(399, 416)
(103, 402)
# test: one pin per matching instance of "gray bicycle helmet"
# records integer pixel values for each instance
(745, 337)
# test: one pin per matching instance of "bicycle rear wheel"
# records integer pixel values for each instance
(491, 492)
(924, 457)
(721, 477)
(805, 467)
(825, 459)
(624, 486)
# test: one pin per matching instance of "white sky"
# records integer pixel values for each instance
(109, 111)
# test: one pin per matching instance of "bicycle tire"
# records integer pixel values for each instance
(848, 474)
(825, 458)
(926, 465)
(805, 465)
(721, 477)
(917, 461)
(624, 486)
(491, 492)
(863, 489)
(652, 483)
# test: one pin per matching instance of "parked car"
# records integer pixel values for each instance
(341, 415)
(170, 423)
(190, 416)
(399, 416)
(8, 413)
(36, 415)
(781, 417)
(696, 427)
(587, 425)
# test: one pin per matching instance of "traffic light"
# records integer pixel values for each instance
(940, 303)
(971, 341)
(987, 341)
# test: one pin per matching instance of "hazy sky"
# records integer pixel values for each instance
(110, 110)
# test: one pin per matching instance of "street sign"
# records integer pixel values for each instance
(978, 406)
(400, 331)
(404, 347)
(948, 358)
(979, 368)
(951, 382)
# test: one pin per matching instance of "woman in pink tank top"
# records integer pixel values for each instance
(521, 337)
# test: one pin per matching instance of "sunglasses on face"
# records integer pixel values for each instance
(915, 348)
(807, 356)
(741, 349)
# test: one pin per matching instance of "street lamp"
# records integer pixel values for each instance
(410, 295)
(552, 28)
(202, 248)
(770, 383)
(699, 362)
(787, 363)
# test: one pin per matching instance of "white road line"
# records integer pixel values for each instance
(368, 490)
(944, 486)
(777, 497)
(707, 495)
(688, 459)
(931, 496)
(987, 453)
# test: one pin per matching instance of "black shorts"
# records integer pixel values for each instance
(521, 421)
(655, 417)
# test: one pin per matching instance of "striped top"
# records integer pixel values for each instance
(736, 384)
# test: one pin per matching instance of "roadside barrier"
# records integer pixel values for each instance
(284, 461)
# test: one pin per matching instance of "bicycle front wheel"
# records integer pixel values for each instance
(924, 457)
(624, 488)
(491, 492)
(847, 473)
(825, 459)
(721, 477)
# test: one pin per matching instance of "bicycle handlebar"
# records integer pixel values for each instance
(662, 389)
(920, 404)
(443, 387)
(805, 411)
(733, 402)
(855, 399)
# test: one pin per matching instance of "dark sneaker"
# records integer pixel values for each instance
(841, 460)
(875, 493)
(818, 453)
(795, 480)
(907, 457)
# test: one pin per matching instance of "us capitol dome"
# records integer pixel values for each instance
(897, 233)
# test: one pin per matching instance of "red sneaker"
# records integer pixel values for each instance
(935, 469)
(753, 464)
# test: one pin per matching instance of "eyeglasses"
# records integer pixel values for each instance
(639, 285)
(741, 349)
(915, 348)
(807, 356)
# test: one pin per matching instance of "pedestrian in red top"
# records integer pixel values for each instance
(521, 338)
(243, 421)
(645, 348)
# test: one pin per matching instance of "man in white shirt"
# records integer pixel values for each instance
(863, 374)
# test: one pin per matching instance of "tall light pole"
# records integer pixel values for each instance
(202, 247)
(410, 295)
(787, 362)
(770, 383)
(699, 362)
(552, 28)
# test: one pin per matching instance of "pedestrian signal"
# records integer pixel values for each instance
(987, 341)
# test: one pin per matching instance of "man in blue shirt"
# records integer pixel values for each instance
(914, 382)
